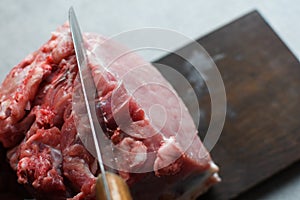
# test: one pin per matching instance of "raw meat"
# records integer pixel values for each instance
(155, 143)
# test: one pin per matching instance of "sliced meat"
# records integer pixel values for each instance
(140, 106)
(154, 139)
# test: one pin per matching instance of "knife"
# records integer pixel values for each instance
(110, 186)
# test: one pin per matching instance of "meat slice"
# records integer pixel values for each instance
(143, 111)
(155, 144)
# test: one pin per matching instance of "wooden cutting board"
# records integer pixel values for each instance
(261, 135)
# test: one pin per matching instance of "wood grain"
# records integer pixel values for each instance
(262, 81)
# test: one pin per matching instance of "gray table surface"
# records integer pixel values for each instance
(25, 25)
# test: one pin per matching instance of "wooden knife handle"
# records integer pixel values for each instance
(118, 188)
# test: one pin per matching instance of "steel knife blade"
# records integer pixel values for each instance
(89, 91)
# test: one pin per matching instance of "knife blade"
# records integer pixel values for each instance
(89, 91)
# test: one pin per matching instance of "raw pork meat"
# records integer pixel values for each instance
(155, 143)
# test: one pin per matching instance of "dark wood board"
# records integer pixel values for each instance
(262, 81)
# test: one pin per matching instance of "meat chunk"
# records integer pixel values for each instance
(138, 103)
(154, 139)
(47, 154)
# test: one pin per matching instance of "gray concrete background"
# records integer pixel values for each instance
(27, 24)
